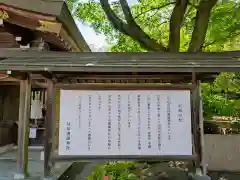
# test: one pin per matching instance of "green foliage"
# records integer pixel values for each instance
(154, 16)
(71, 4)
(115, 170)
(215, 96)
(224, 27)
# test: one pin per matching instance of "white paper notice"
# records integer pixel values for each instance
(136, 122)
(33, 133)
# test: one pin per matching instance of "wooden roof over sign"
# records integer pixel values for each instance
(49, 19)
(168, 67)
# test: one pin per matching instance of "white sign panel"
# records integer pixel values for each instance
(121, 122)
(33, 133)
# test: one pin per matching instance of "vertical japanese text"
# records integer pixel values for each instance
(149, 121)
(169, 117)
(139, 121)
(129, 110)
(109, 122)
(68, 137)
(180, 113)
(119, 121)
(79, 111)
(89, 122)
(159, 122)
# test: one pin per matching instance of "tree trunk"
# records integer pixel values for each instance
(201, 25)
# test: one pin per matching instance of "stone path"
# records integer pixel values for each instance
(35, 165)
(8, 164)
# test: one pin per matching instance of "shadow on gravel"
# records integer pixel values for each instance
(73, 171)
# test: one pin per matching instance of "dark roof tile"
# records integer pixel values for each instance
(120, 62)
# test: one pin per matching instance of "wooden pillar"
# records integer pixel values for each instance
(203, 162)
(50, 124)
(23, 129)
(57, 119)
(198, 132)
(196, 105)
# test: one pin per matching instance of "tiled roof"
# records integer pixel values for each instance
(120, 62)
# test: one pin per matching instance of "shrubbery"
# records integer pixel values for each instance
(115, 170)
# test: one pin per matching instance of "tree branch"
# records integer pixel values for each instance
(112, 17)
(201, 25)
(175, 24)
(131, 28)
(230, 35)
(137, 32)
(154, 8)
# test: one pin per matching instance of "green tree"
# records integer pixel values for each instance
(222, 98)
(71, 5)
(177, 25)
(164, 25)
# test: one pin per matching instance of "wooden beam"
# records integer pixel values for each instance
(48, 75)
(23, 13)
(53, 39)
(9, 83)
(142, 78)
(23, 129)
(31, 20)
(127, 86)
(71, 43)
(26, 35)
(68, 158)
(48, 26)
(50, 124)
(127, 77)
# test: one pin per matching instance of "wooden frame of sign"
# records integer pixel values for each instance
(195, 120)
(49, 151)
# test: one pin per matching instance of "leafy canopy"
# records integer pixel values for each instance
(164, 25)
(222, 98)
(191, 25)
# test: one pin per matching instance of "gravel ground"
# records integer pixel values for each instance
(35, 165)
(216, 175)
(8, 165)
(80, 170)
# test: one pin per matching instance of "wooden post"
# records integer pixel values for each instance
(203, 163)
(50, 124)
(54, 119)
(197, 119)
(196, 105)
(198, 132)
(23, 129)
